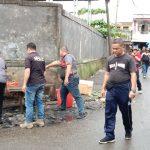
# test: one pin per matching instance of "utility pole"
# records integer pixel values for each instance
(89, 12)
(108, 28)
(75, 3)
(117, 12)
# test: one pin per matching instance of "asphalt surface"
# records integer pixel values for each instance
(84, 134)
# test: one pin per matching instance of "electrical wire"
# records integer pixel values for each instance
(133, 3)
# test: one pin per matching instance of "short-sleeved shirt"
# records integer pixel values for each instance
(3, 76)
(137, 62)
(67, 59)
(145, 58)
(119, 68)
(70, 59)
(37, 68)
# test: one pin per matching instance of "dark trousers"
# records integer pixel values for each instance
(2, 97)
(145, 68)
(118, 95)
(139, 85)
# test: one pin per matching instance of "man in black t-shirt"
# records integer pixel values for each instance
(120, 83)
(33, 86)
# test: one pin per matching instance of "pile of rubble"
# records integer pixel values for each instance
(13, 118)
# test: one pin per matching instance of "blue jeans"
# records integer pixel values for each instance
(145, 69)
(34, 94)
(73, 88)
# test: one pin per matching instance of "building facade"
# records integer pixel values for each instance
(141, 30)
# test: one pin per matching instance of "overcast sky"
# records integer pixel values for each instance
(126, 8)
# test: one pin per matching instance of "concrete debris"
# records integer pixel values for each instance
(13, 118)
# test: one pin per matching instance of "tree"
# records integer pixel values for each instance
(82, 11)
(93, 11)
(101, 25)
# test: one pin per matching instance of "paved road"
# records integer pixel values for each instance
(84, 134)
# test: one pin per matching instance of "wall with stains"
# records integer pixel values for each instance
(49, 27)
(83, 41)
(20, 25)
(24, 22)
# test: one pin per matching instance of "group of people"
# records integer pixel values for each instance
(34, 80)
(119, 85)
(142, 61)
(34, 83)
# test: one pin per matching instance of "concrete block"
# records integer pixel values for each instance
(86, 87)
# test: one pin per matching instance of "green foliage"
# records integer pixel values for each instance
(97, 11)
(82, 11)
(102, 26)
(117, 33)
(93, 11)
(99, 23)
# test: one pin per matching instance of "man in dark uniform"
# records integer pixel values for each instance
(120, 84)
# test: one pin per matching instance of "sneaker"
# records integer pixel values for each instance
(128, 136)
(82, 115)
(39, 122)
(106, 140)
(140, 92)
(26, 125)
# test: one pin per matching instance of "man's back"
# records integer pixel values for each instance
(37, 68)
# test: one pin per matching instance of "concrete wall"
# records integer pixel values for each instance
(83, 41)
(88, 69)
(23, 23)
(50, 27)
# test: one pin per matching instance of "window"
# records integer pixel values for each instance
(144, 27)
(126, 28)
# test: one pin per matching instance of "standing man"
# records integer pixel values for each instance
(137, 59)
(2, 85)
(33, 86)
(120, 83)
(70, 80)
(145, 62)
